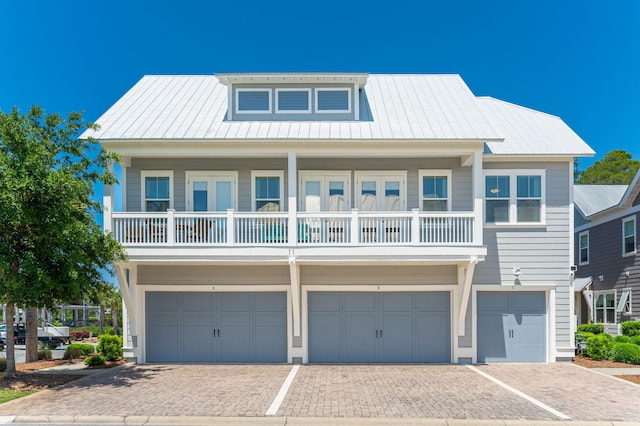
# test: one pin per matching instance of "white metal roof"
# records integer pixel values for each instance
(592, 199)
(420, 107)
(580, 284)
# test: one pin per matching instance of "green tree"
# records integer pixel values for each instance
(51, 249)
(106, 296)
(616, 168)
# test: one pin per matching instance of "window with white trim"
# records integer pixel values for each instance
(380, 191)
(583, 245)
(629, 236)
(333, 100)
(435, 190)
(157, 190)
(253, 101)
(266, 190)
(605, 307)
(624, 305)
(293, 101)
(514, 197)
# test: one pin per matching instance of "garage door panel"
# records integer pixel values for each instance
(397, 302)
(433, 302)
(354, 302)
(433, 328)
(324, 336)
(324, 302)
(270, 302)
(492, 335)
(529, 303)
(359, 336)
(397, 337)
(162, 302)
(163, 344)
(197, 302)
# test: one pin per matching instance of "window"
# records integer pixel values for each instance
(380, 191)
(253, 101)
(267, 190)
(211, 191)
(333, 100)
(157, 191)
(293, 101)
(435, 190)
(514, 198)
(624, 305)
(629, 235)
(324, 191)
(583, 243)
(606, 307)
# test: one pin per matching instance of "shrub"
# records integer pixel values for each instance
(3, 364)
(635, 339)
(598, 346)
(631, 328)
(591, 328)
(77, 350)
(625, 352)
(581, 341)
(621, 339)
(110, 347)
(79, 334)
(44, 354)
(94, 360)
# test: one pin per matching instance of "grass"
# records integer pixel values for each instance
(9, 394)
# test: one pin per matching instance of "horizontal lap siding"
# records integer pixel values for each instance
(378, 275)
(212, 275)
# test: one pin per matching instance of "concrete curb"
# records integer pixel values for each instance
(615, 377)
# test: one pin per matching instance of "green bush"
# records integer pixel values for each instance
(635, 339)
(77, 350)
(598, 346)
(94, 360)
(44, 354)
(631, 328)
(583, 335)
(93, 329)
(591, 328)
(621, 339)
(110, 347)
(625, 352)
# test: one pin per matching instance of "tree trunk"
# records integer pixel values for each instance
(101, 319)
(31, 343)
(114, 320)
(11, 355)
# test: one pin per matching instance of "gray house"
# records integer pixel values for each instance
(340, 218)
(606, 241)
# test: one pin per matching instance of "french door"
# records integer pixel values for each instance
(211, 192)
(381, 192)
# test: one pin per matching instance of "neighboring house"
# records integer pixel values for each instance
(607, 282)
(340, 217)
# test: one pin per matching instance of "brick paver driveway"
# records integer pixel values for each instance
(377, 391)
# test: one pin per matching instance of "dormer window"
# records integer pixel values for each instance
(253, 101)
(333, 100)
(294, 101)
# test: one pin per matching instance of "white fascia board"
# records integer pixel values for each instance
(607, 216)
(276, 78)
(493, 158)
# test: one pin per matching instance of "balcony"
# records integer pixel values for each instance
(243, 229)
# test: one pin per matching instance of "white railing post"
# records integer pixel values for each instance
(415, 227)
(231, 233)
(355, 227)
(292, 205)
(171, 227)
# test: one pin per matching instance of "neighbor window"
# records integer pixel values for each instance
(435, 190)
(253, 101)
(629, 235)
(511, 197)
(333, 100)
(267, 191)
(606, 307)
(583, 242)
(293, 100)
(157, 191)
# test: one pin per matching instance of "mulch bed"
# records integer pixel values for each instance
(592, 363)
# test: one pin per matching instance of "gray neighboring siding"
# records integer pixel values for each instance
(378, 275)
(605, 258)
(636, 201)
(541, 253)
(578, 219)
(462, 190)
(212, 275)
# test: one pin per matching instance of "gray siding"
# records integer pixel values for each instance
(378, 275)
(578, 219)
(605, 258)
(542, 253)
(212, 275)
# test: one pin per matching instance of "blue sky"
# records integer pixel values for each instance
(578, 60)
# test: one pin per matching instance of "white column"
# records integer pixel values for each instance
(293, 199)
(478, 198)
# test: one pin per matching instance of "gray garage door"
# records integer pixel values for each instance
(511, 326)
(379, 327)
(216, 327)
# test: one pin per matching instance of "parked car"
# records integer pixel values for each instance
(19, 334)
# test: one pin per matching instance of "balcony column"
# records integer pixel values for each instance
(107, 202)
(292, 206)
(478, 198)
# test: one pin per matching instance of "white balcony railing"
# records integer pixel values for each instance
(312, 229)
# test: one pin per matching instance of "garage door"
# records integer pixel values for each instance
(216, 327)
(379, 327)
(511, 327)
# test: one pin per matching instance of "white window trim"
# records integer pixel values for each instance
(333, 111)
(376, 175)
(580, 262)
(635, 236)
(304, 175)
(144, 174)
(513, 195)
(595, 307)
(620, 306)
(249, 89)
(434, 173)
(214, 174)
(288, 111)
(267, 173)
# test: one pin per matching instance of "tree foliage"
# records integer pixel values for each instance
(616, 168)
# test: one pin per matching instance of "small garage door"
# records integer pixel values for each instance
(511, 326)
(216, 327)
(379, 327)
